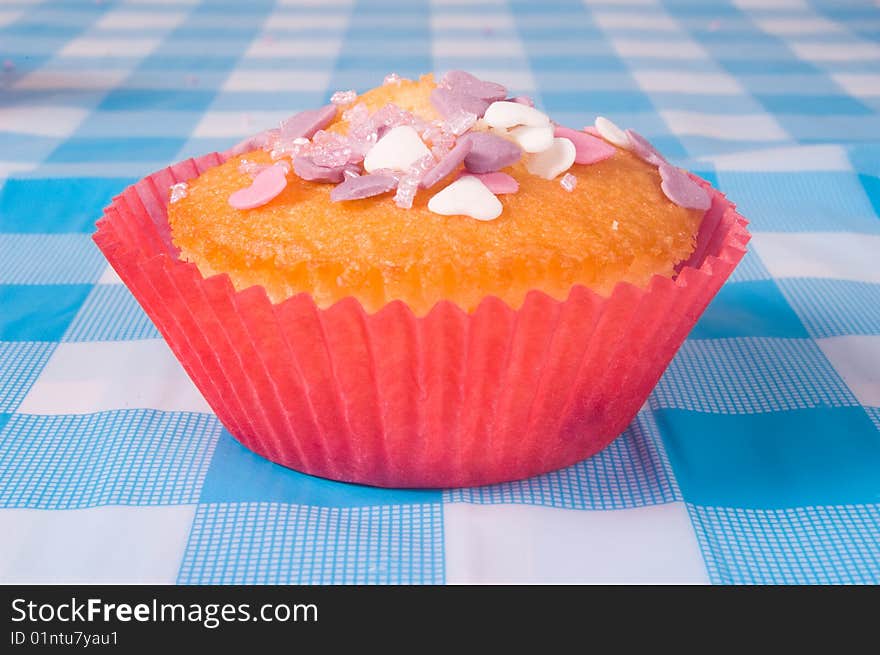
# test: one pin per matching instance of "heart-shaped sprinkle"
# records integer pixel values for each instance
(306, 123)
(308, 170)
(464, 82)
(588, 149)
(266, 185)
(557, 159)
(449, 102)
(398, 149)
(643, 149)
(448, 164)
(364, 186)
(469, 197)
(509, 114)
(490, 152)
(533, 139)
(681, 189)
(498, 183)
(611, 133)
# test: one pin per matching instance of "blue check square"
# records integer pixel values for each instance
(753, 308)
(238, 475)
(56, 205)
(39, 312)
(818, 456)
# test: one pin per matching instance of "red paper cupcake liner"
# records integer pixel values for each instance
(396, 400)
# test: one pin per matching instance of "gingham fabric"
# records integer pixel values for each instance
(757, 458)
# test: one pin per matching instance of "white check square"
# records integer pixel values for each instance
(79, 79)
(859, 84)
(727, 127)
(672, 81)
(632, 20)
(94, 376)
(216, 124)
(47, 120)
(275, 81)
(524, 544)
(94, 46)
(109, 545)
(267, 47)
(487, 48)
(857, 359)
(667, 49)
(832, 255)
(139, 20)
(472, 21)
(823, 51)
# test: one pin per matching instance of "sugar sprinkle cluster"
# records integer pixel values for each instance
(482, 131)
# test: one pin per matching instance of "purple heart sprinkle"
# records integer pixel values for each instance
(463, 82)
(365, 186)
(449, 163)
(306, 123)
(308, 170)
(643, 149)
(681, 189)
(448, 103)
(490, 152)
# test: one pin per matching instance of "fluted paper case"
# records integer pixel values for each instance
(396, 400)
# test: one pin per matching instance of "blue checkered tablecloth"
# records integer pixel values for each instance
(756, 459)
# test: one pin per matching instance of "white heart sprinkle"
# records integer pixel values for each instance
(507, 114)
(533, 139)
(399, 149)
(557, 159)
(467, 196)
(611, 133)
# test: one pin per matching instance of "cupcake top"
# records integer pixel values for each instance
(421, 191)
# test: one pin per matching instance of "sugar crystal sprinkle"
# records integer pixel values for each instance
(568, 182)
(392, 78)
(179, 191)
(343, 97)
(461, 121)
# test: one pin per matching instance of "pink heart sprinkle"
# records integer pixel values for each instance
(643, 149)
(681, 189)
(266, 185)
(592, 131)
(588, 149)
(497, 182)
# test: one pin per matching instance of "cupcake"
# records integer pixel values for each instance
(431, 284)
